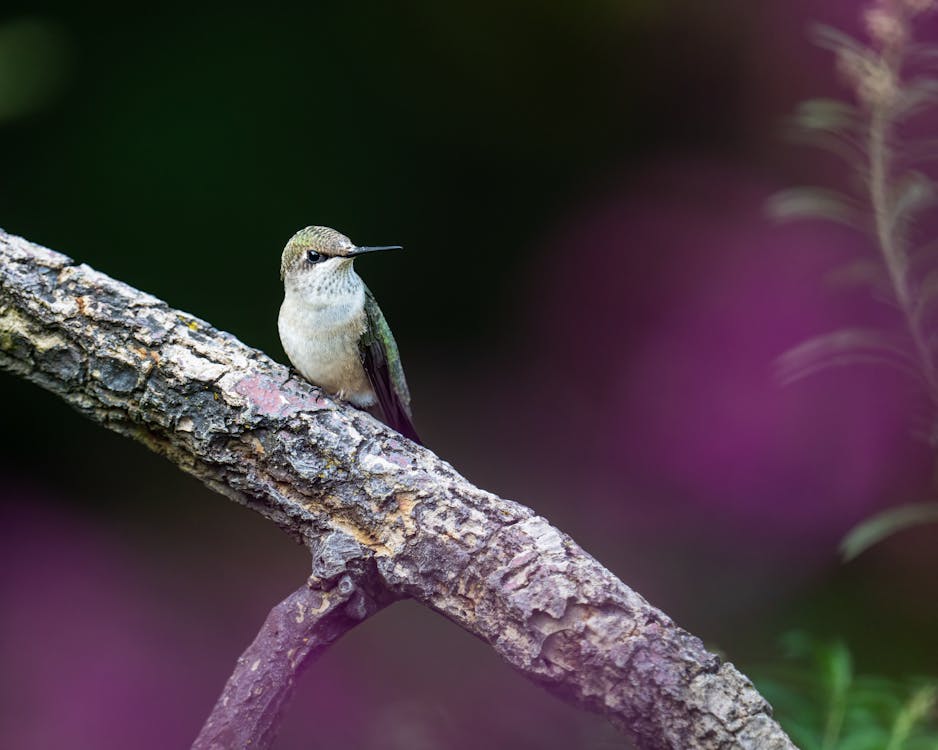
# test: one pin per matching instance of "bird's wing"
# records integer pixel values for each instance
(382, 364)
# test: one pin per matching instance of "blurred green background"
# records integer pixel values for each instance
(588, 308)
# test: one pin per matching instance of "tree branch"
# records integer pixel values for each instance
(323, 470)
(295, 632)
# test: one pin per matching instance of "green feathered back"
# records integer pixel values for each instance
(382, 363)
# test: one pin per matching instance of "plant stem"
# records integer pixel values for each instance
(894, 253)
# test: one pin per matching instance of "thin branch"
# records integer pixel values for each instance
(246, 427)
(296, 631)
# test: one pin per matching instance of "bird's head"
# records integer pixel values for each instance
(318, 252)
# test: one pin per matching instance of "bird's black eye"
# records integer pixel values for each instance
(313, 257)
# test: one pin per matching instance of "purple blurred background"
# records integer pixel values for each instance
(589, 311)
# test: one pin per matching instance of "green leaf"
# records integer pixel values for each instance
(824, 706)
(875, 529)
(837, 666)
(914, 712)
(836, 40)
(878, 696)
(912, 193)
(847, 346)
(831, 115)
(815, 203)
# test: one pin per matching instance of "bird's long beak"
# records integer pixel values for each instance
(371, 249)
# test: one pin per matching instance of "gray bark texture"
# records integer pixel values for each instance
(359, 495)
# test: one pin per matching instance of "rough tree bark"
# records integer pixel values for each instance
(361, 497)
(248, 712)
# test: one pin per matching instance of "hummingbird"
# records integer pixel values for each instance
(333, 330)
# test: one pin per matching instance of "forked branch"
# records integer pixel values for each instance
(358, 494)
(302, 626)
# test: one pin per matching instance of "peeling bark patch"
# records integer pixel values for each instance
(378, 464)
(311, 465)
(16, 330)
(151, 328)
(63, 361)
(115, 374)
(270, 400)
(189, 366)
(399, 459)
(332, 555)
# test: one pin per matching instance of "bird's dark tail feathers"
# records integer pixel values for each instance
(398, 420)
